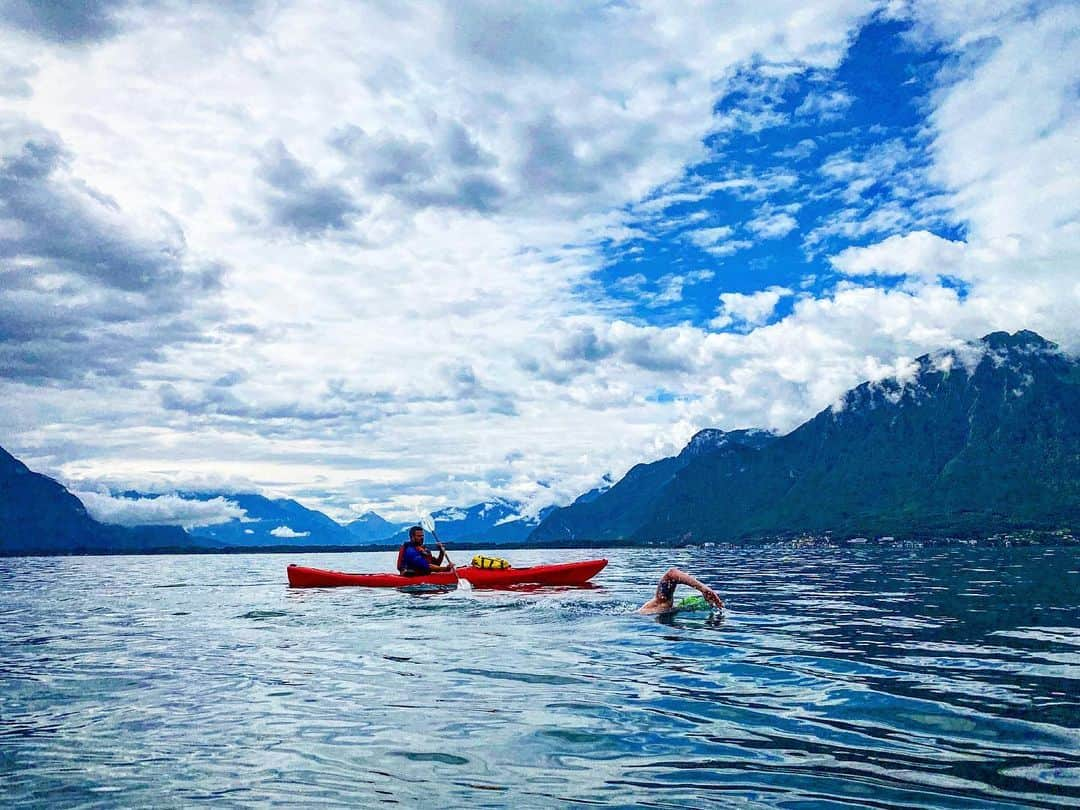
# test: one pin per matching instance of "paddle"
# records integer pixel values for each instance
(427, 523)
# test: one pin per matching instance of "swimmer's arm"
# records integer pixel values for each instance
(684, 578)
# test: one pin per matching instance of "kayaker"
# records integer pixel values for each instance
(414, 560)
(664, 599)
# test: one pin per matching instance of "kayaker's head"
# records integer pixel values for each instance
(416, 536)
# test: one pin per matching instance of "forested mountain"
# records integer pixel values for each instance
(977, 439)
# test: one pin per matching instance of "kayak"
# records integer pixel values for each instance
(573, 573)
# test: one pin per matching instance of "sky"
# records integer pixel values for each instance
(399, 256)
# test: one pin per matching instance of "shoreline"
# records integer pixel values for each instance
(1059, 537)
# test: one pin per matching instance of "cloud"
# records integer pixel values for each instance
(585, 349)
(885, 188)
(449, 171)
(284, 532)
(252, 400)
(550, 163)
(918, 253)
(463, 150)
(298, 200)
(753, 99)
(748, 309)
(856, 173)
(386, 160)
(799, 151)
(50, 217)
(520, 38)
(771, 224)
(14, 80)
(1004, 135)
(64, 21)
(86, 23)
(717, 240)
(462, 384)
(163, 510)
(89, 288)
(668, 290)
(827, 105)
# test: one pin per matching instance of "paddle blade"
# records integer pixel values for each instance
(463, 584)
(427, 523)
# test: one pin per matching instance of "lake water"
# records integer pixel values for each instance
(866, 677)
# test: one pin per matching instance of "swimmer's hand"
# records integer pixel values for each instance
(712, 598)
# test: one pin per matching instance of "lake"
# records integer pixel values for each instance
(862, 676)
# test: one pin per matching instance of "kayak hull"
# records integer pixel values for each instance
(573, 573)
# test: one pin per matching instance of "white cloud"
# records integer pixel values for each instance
(799, 151)
(703, 237)
(669, 287)
(1005, 136)
(773, 224)
(919, 253)
(826, 105)
(164, 510)
(286, 532)
(716, 240)
(748, 309)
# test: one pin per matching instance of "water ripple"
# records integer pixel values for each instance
(936, 677)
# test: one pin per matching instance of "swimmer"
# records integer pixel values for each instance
(664, 600)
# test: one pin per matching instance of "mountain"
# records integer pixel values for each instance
(616, 512)
(271, 522)
(984, 438)
(491, 522)
(372, 528)
(39, 516)
(606, 483)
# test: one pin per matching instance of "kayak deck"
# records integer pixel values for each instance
(572, 573)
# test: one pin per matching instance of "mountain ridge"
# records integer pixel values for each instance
(1004, 424)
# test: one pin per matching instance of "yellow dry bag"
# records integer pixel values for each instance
(480, 561)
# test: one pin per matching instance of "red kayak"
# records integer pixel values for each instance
(573, 573)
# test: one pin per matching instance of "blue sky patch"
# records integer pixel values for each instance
(804, 164)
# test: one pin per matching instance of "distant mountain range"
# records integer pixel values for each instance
(492, 522)
(270, 522)
(372, 528)
(282, 521)
(40, 516)
(981, 439)
(975, 440)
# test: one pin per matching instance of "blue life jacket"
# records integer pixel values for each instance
(411, 558)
